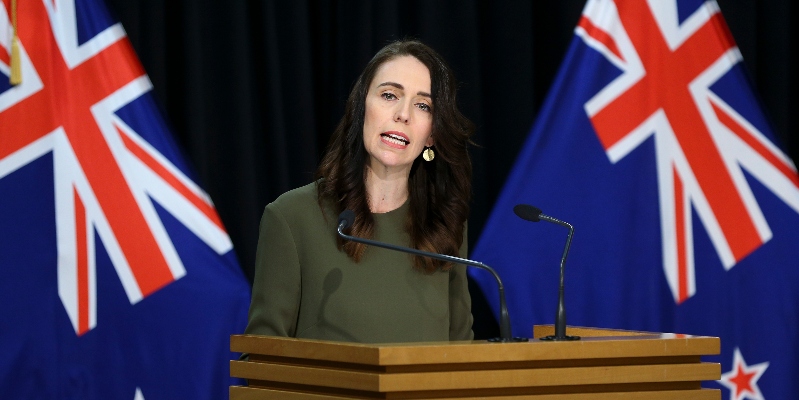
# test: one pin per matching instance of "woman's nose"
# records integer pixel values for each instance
(403, 113)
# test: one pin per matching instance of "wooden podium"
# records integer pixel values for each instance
(605, 364)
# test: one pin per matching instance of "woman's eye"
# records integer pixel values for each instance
(389, 96)
(424, 107)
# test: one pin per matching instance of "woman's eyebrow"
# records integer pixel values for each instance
(399, 86)
(396, 85)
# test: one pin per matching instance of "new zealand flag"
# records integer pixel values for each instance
(686, 212)
(117, 278)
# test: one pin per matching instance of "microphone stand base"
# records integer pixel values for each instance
(511, 340)
(553, 338)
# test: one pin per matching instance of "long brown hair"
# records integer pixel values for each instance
(439, 191)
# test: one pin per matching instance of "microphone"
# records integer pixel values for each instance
(347, 217)
(533, 214)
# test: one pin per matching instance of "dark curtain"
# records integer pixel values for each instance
(253, 89)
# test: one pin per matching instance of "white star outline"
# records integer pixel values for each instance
(758, 369)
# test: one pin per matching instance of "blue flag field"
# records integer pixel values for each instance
(117, 277)
(652, 143)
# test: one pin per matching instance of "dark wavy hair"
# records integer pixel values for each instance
(439, 191)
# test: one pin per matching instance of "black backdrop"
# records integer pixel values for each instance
(253, 89)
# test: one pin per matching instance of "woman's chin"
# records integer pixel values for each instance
(391, 164)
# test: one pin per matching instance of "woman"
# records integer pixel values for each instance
(311, 284)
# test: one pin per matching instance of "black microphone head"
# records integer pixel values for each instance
(528, 212)
(347, 217)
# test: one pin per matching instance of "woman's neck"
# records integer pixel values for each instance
(386, 190)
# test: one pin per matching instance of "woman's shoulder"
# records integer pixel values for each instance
(297, 200)
(303, 193)
(297, 210)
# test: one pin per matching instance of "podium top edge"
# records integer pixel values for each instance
(606, 344)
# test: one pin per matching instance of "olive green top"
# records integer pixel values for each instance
(305, 287)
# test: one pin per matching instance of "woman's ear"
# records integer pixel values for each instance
(430, 142)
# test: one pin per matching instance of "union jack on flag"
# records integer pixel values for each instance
(98, 201)
(653, 145)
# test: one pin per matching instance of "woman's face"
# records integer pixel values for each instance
(399, 115)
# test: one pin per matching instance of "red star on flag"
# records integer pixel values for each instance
(742, 379)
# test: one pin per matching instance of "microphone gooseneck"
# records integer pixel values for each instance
(347, 217)
(533, 214)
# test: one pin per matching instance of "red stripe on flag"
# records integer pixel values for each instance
(600, 36)
(755, 144)
(682, 259)
(4, 57)
(159, 169)
(83, 265)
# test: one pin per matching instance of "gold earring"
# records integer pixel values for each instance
(428, 154)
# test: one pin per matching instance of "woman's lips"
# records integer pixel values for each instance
(397, 140)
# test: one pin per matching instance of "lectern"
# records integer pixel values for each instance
(605, 364)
